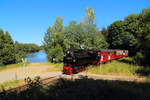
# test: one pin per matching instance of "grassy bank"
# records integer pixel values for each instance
(11, 66)
(122, 66)
(52, 67)
(115, 67)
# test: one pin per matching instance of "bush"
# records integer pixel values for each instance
(55, 54)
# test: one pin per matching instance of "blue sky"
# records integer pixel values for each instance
(27, 20)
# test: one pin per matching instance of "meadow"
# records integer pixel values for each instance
(123, 66)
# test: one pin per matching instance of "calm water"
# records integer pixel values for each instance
(37, 57)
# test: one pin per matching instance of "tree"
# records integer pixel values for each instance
(55, 54)
(84, 36)
(58, 26)
(144, 38)
(53, 41)
(133, 34)
(104, 31)
(7, 49)
(11, 52)
(121, 38)
(90, 15)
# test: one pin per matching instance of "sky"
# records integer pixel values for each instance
(28, 20)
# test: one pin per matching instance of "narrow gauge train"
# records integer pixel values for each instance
(77, 60)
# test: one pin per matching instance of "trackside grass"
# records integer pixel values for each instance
(115, 67)
(54, 67)
(11, 66)
(10, 84)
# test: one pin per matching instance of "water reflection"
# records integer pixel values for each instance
(37, 57)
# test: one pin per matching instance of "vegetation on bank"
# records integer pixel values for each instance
(115, 67)
(123, 66)
(13, 52)
(55, 67)
(11, 66)
(52, 67)
(82, 89)
(28, 47)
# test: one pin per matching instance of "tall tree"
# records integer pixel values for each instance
(58, 26)
(53, 41)
(90, 15)
(119, 37)
(7, 49)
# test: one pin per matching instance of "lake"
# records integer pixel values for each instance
(37, 57)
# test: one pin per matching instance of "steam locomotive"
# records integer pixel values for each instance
(77, 61)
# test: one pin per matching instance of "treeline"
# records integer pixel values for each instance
(132, 33)
(85, 35)
(12, 52)
(28, 48)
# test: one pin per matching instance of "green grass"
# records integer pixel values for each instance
(10, 84)
(11, 66)
(54, 67)
(115, 67)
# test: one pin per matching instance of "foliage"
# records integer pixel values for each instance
(53, 41)
(55, 54)
(11, 52)
(27, 48)
(7, 49)
(90, 15)
(133, 34)
(119, 38)
(34, 83)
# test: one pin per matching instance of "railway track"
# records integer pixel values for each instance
(45, 82)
